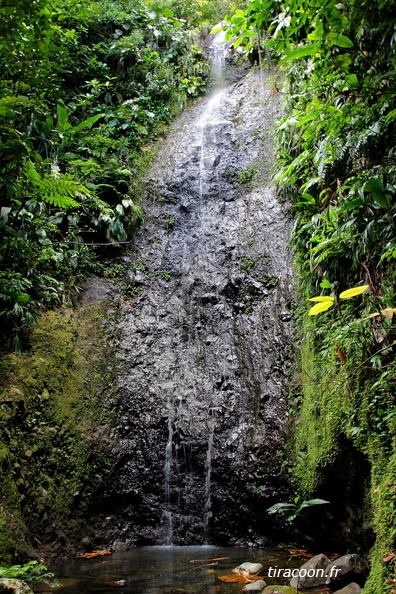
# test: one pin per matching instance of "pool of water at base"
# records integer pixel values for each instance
(167, 570)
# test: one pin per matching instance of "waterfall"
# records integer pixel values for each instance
(204, 358)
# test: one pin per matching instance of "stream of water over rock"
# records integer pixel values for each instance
(204, 359)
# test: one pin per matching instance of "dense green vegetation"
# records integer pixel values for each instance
(336, 162)
(84, 90)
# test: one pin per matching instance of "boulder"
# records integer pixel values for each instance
(346, 569)
(119, 546)
(353, 588)
(257, 586)
(95, 290)
(14, 586)
(312, 573)
(252, 568)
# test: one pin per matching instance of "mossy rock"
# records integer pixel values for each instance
(279, 590)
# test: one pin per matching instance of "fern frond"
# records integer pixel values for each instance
(57, 191)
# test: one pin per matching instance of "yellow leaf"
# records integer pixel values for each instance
(388, 312)
(354, 291)
(319, 307)
(373, 315)
(322, 298)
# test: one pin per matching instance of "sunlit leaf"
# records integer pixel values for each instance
(353, 292)
(301, 52)
(216, 30)
(319, 307)
(373, 315)
(388, 312)
(321, 298)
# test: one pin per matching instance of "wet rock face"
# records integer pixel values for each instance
(204, 356)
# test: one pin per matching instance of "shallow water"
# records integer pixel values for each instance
(164, 570)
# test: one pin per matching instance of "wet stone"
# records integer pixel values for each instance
(183, 443)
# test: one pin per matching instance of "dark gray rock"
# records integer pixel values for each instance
(312, 573)
(256, 586)
(198, 347)
(95, 290)
(353, 588)
(346, 569)
(119, 546)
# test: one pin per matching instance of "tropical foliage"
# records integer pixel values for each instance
(336, 164)
(32, 573)
(84, 90)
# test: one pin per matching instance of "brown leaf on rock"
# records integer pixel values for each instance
(389, 557)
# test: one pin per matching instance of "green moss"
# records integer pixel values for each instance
(52, 405)
(344, 438)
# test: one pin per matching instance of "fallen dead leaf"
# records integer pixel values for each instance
(206, 560)
(300, 553)
(389, 557)
(93, 554)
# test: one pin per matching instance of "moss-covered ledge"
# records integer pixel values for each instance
(345, 452)
(56, 413)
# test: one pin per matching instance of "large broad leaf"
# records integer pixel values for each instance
(378, 192)
(301, 52)
(280, 507)
(63, 121)
(353, 292)
(89, 122)
(340, 40)
(310, 502)
(319, 307)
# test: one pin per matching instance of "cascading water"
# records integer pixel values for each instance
(204, 355)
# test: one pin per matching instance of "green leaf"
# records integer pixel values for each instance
(310, 502)
(89, 122)
(353, 292)
(238, 42)
(351, 80)
(280, 507)
(301, 52)
(378, 192)
(216, 30)
(340, 40)
(309, 117)
(325, 284)
(168, 12)
(63, 122)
